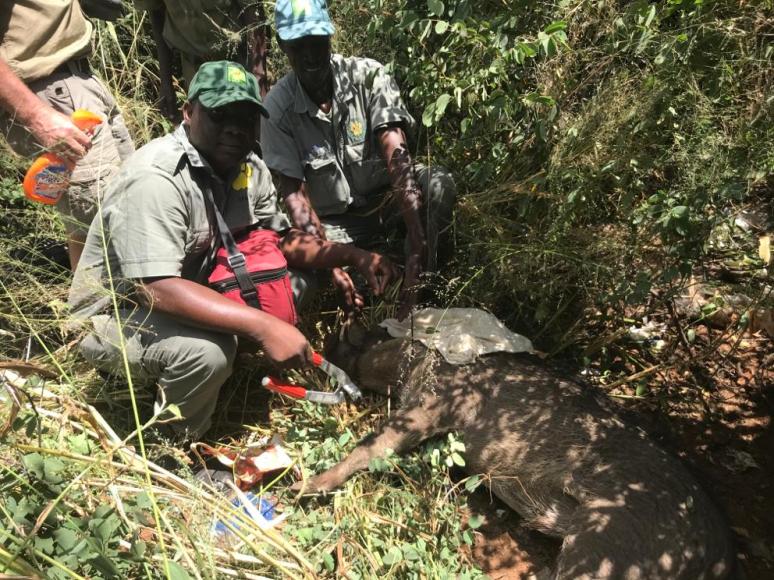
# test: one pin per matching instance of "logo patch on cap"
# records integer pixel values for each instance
(236, 75)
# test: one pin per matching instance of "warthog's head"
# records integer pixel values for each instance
(372, 358)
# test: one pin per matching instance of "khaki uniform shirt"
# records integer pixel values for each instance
(337, 154)
(36, 36)
(156, 220)
(208, 29)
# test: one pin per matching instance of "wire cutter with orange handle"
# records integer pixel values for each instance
(344, 385)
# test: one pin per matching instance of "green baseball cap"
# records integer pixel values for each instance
(296, 18)
(222, 82)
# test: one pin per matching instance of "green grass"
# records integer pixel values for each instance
(595, 176)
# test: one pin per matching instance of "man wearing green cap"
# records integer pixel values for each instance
(156, 228)
(336, 137)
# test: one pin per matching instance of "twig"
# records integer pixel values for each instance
(638, 375)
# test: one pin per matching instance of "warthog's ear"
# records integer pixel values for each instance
(381, 363)
(353, 333)
(344, 347)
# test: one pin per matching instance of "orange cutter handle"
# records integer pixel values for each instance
(317, 359)
(288, 389)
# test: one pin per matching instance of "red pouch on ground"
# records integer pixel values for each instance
(266, 271)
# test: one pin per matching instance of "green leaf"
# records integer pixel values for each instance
(456, 445)
(33, 462)
(79, 444)
(651, 15)
(538, 99)
(51, 468)
(440, 105)
(441, 26)
(428, 115)
(475, 522)
(435, 7)
(138, 550)
(344, 438)
(106, 566)
(177, 572)
(143, 501)
(679, 212)
(411, 553)
(392, 557)
(457, 459)
(66, 538)
(45, 545)
(378, 464)
(472, 483)
(544, 40)
(173, 410)
(529, 50)
(555, 26)
(105, 530)
(102, 511)
(328, 562)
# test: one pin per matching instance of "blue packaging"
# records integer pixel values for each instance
(265, 508)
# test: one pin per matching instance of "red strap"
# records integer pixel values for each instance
(288, 389)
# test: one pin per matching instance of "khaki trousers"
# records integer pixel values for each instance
(189, 365)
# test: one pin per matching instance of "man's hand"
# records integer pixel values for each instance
(415, 260)
(57, 133)
(53, 130)
(378, 270)
(285, 346)
(352, 299)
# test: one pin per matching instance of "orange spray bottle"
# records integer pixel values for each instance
(49, 175)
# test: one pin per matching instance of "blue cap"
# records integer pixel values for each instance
(296, 18)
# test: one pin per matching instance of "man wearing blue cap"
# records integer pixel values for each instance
(336, 137)
(156, 230)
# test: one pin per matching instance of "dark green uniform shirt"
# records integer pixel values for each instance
(155, 220)
(337, 154)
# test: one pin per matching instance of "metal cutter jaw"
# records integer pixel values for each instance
(343, 385)
(342, 379)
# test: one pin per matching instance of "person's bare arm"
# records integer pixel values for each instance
(304, 250)
(303, 216)
(409, 197)
(53, 130)
(258, 37)
(203, 307)
(167, 98)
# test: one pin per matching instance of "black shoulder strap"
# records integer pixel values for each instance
(236, 259)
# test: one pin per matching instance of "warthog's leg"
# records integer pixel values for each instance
(403, 431)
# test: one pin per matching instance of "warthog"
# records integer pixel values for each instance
(554, 453)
